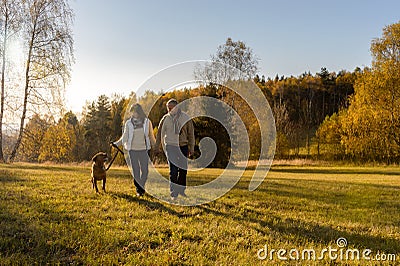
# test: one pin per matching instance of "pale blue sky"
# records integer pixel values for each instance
(119, 44)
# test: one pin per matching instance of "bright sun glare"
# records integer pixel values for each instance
(15, 53)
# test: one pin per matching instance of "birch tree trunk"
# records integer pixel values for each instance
(50, 54)
(10, 18)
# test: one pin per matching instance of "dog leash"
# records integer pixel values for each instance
(115, 156)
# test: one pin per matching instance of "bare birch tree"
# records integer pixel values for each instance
(49, 55)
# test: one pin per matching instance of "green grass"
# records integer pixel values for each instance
(50, 214)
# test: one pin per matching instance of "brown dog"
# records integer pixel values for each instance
(99, 170)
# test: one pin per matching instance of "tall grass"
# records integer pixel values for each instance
(50, 214)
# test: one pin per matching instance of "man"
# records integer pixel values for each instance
(176, 133)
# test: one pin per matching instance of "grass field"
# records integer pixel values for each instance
(50, 214)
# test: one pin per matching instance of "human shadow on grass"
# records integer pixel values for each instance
(324, 191)
(313, 191)
(307, 232)
(150, 203)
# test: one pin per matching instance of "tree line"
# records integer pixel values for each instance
(296, 103)
(305, 109)
(345, 115)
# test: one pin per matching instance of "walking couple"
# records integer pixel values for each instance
(175, 134)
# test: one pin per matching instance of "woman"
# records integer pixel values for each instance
(138, 138)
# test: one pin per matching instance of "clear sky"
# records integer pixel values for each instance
(120, 43)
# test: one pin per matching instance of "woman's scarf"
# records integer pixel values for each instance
(137, 122)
